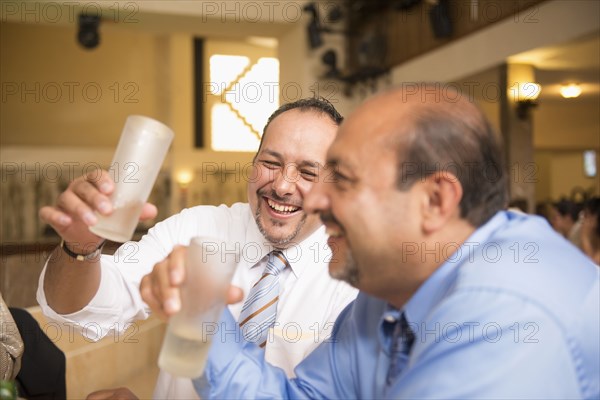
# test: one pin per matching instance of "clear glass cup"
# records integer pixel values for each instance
(209, 268)
(141, 151)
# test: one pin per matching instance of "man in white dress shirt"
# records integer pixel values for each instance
(77, 286)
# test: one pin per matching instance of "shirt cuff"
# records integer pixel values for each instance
(227, 343)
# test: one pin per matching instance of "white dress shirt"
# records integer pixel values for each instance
(309, 302)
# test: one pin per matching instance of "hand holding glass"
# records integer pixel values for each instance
(209, 269)
(142, 148)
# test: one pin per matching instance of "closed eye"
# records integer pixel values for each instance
(270, 164)
(310, 175)
(339, 177)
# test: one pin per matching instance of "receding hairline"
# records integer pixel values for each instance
(406, 111)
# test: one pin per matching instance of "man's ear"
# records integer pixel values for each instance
(443, 195)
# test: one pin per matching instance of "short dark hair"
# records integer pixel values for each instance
(461, 142)
(592, 207)
(317, 104)
(567, 208)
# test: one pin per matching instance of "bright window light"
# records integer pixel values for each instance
(224, 70)
(229, 132)
(248, 94)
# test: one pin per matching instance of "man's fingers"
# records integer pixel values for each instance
(166, 294)
(70, 203)
(91, 196)
(150, 299)
(177, 265)
(102, 180)
(149, 211)
(101, 394)
(55, 218)
(121, 393)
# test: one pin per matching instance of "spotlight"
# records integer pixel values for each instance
(88, 35)
(335, 14)
(314, 28)
(314, 34)
(329, 58)
(439, 16)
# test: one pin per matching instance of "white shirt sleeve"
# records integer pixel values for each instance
(118, 302)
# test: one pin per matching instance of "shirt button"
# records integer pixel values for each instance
(390, 319)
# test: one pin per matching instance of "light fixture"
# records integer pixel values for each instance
(184, 177)
(88, 35)
(570, 91)
(367, 48)
(329, 58)
(526, 99)
(314, 27)
(439, 16)
(522, 88)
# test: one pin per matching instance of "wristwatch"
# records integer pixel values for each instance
(82, 257)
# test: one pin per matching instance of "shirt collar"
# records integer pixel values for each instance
(442, 280)
(299, 255)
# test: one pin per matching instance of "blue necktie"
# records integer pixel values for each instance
(260, 309)
(403, 339)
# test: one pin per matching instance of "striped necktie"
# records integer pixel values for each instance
(260, 309)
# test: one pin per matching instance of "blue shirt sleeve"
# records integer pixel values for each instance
(237, 369)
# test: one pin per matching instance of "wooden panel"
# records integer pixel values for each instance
(409, 32)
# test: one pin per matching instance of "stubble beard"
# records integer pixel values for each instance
(273, 240)
(350, 273)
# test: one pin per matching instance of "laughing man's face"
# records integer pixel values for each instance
(286, 167)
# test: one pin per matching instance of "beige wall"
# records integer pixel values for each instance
(567, 124)
(560, 173)
(56, 93)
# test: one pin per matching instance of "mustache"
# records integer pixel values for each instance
(328, 217)
(272, 195)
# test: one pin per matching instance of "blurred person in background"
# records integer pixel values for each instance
(590, 229)
(564, 218)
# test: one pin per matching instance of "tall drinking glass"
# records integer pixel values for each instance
(141, 151)
(209, 268)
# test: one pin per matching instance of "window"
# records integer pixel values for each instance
(240, 91)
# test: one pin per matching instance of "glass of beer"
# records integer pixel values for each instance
(141, 151)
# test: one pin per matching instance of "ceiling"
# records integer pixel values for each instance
(577, 61)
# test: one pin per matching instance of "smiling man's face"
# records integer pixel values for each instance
(286, 167)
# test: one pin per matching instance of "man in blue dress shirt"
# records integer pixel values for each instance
(459, 298)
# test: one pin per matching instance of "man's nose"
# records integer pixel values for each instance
(284, 183)
(316, 199)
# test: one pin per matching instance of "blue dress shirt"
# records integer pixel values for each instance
(513, 313)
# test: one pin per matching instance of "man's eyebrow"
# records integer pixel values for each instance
(273, 153)
(311, 164)
(303, 163)
(334, 162)
(337, 163)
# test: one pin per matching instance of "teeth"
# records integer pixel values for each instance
(280, 207)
